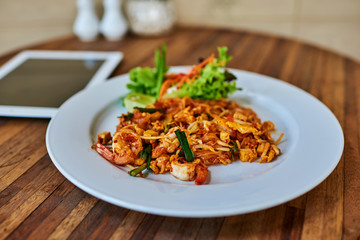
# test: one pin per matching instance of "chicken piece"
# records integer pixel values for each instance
(247, 155)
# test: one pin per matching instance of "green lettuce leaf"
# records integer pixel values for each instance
(213, 83)
(147, 80)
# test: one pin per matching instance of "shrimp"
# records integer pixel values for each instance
(168, 144)
(126, 146)
(104, 152)
(189, 171)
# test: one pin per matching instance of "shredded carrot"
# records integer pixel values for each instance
(173, 75)
(166, 85)
(182, 78)
(221, 63)
(196, 69)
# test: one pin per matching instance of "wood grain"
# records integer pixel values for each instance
(37, 202)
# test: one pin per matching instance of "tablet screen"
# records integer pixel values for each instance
(35, 83)
(46, 82)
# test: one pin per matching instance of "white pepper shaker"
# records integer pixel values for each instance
(86, 25)
(113, 25)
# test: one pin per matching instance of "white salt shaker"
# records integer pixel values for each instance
(151, 17)
(86, 25)
(113, 25)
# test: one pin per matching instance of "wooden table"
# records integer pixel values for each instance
(37, 202)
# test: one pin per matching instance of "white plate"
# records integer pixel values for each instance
(311, 149)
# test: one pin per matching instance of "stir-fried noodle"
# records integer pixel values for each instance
(183, 136)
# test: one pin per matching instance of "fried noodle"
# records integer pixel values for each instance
(218, 132)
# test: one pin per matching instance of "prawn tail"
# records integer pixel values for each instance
(201, 174)
(104, 152)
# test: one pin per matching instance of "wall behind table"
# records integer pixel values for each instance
(334, 24)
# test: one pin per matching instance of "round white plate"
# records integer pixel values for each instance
(311, 149)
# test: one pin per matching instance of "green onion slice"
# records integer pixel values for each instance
(236, 149)
(129, 116)
(149, 110)
(189, 155)
(138, 170)
(146, 154)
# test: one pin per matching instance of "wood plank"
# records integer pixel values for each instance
(189, 229)
(313, 218)
(172, 228)
(69, 199)
(23, 166)
(299, 202)
(14, 151)
(273, 222)
(256, 53)
(352, 151)
(20, 207)
(100, 222)
(315, 202)
(187, 50)
(290, 66)
(36, 219)
(23, 185)
(240, 50)
(325, 203)
(169, 228)
(10, 128)
(293, 223)
(109, 223)
(246, 226)
(210, 228)
(304, 56)
(66, 227)
(148, 227)
(335, 182)
(128, 226)
(277, 58)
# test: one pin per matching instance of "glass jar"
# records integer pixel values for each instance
(150, 17)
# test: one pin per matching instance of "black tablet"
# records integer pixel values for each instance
(36, 83)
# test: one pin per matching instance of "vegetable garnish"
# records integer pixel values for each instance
(149, 110)
(160, 68)
(129, 116)
(137, 100)
(234, 150)
(146, 154)
(189, 155)
(206, 81)
(138, 170)
(147, 80)
(229, 76)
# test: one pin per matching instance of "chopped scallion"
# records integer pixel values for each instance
(138, 170)
(129, 116)
(236, 149)
(146, 154)
(189, 155)
(149, 110)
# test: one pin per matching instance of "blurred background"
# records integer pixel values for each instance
(333, 24)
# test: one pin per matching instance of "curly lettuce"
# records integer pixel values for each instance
(148, 80)
(213, 82)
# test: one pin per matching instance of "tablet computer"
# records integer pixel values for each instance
(35, 83)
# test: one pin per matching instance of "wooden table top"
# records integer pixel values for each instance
(37, 202)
